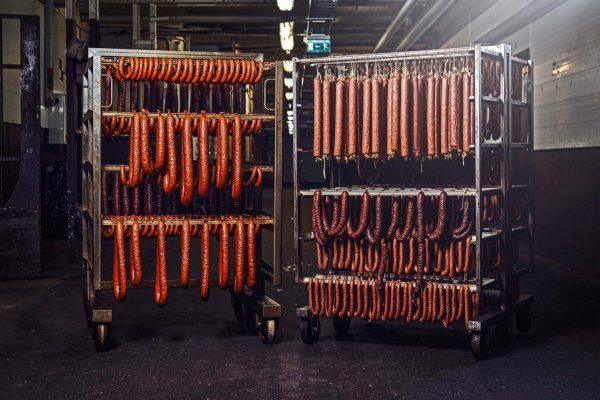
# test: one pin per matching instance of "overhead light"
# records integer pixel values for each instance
(289, 96)
(285, 5)
(288, 82)
(286, 35)
(288, 65)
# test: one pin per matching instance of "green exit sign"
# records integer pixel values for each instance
(320, 45)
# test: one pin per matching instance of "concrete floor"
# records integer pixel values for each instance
(195, 349)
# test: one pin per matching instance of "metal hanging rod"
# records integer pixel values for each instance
(129, 114)
(246, 168)
(193, 220)
(393, 191)
(382, 57)
(111, 53)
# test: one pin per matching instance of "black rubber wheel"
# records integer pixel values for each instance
(503, 332)
(523, 319)
(101, 337)
(268, 330)
(480, 345)
(341, 325)
(239, 310)
(310, 329)
(252, 322)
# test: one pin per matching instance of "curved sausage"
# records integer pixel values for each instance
(317, 223)
(409, 222)
(133, 179)
(441, 221)
(354, 233)
(146, 153)
(259, 72)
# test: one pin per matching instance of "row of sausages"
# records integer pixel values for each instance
(121, 200)
(186, 70)
(405, 114)
(445, 258)
(371, 299)
(244, 232)
(405, 223)
(174, 97)
(142, 162)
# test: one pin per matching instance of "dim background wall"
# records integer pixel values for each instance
(563, 40)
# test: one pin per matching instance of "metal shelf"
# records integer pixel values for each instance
(192, 219)
(229, 116)
(246, 168)
(389, 191)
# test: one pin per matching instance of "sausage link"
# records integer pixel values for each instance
(409, 222)
(354, 233)
(441, 221)
(170, 178)
(187, 162)
(352, 118)
(404, 115)
(240, 250)
(205, 261)
(326, 128)
(116, 193)
(119, 276)
(338, 143)
(237, 171)
(222, 153)
(466, 113)
(366, 118)
(250, 230)
(416, 120)
(453, 112)
(224, 255)
(317, 129)
(375, 123)
(184, 276)
(161, 280)
(431, 116)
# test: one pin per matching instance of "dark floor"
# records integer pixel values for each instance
(195, 349)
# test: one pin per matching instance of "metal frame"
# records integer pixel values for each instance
(510, 303)
(98, 310)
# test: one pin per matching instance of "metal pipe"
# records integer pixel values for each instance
(153, 27)
(423, 24)
(48, 45)
(403, 12)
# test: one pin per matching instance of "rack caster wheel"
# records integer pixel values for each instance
(268, 330)
(503, 332)
(341, 325)
(310, 329)
(480, 345)
(239, 310)
(252, 322)
(523, 319)
(101, 332)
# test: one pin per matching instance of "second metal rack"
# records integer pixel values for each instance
(516, 160)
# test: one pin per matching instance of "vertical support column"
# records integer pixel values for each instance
(136, 24)
(72, 151)
(478, 127)
(506, 97)
(94, 16)
(531, 170)
(277, 173)
(152, 27)
(296, 176)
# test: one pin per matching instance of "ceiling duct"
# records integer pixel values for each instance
(400, 17)
(423, 24)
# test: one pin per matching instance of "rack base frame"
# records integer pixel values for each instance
(479, 328)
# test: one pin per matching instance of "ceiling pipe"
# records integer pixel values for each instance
(403, 12)
(423, 24)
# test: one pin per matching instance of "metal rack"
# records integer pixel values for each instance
(261, 312)
(502, 294)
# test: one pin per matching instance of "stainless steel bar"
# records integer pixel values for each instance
(110, 220)
(247, 168)
(506, 94)
(129, 114)
(392, 191)
(106, 52)
(277, 178)
(531, 200)
(296, 175)
(96, 159)
(395, 56)
(478, 156)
